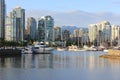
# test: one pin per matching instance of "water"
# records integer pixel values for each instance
(61, 65)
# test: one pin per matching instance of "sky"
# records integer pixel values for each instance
(63, 5)
(88, 6)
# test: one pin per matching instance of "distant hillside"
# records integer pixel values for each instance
(72, 28)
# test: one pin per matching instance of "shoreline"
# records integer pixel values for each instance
(110, 56)
(10, 52)
(114, 54)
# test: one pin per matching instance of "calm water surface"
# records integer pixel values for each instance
(60, 65)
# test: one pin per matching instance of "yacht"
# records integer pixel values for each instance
(42, 48)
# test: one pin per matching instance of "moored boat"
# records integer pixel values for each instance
(27, 50)
(61, 49)
(73, 48)
(105, 50)
(42, 48)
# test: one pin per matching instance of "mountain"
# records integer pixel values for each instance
(70, 28)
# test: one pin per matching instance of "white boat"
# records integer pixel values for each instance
(27, 50)
(61, 49)
(41, 48)
(85, 47)
(73, 48)
(105, 50)
(93, 48)
(100, 48)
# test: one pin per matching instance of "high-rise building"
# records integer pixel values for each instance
(66, 35)
(19, 15)
(2, 18)
(15, 25)
(81, 32)
(115, 36)
(9, 27)
(76, 33)
(57, 34)
(100, 33)
(31, 28)
(105, 28)
(76, 37)
(93, 33)
(45, 29)
(84, 37)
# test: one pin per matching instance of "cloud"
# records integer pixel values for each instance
(116, 3)
(75, 18)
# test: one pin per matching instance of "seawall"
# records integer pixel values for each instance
(10, 52)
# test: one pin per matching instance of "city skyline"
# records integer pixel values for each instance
(74, 13)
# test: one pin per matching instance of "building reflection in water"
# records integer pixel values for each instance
(66, 59)
(36, 61)
(10, 62)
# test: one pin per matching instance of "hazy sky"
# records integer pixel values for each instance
(67, 5)
(71, 12)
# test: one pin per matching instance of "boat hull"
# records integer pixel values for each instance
(43, 51)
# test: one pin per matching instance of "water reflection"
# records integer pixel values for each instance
(63, 59)
(36, 61)
(60, 66)
(10, 62)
